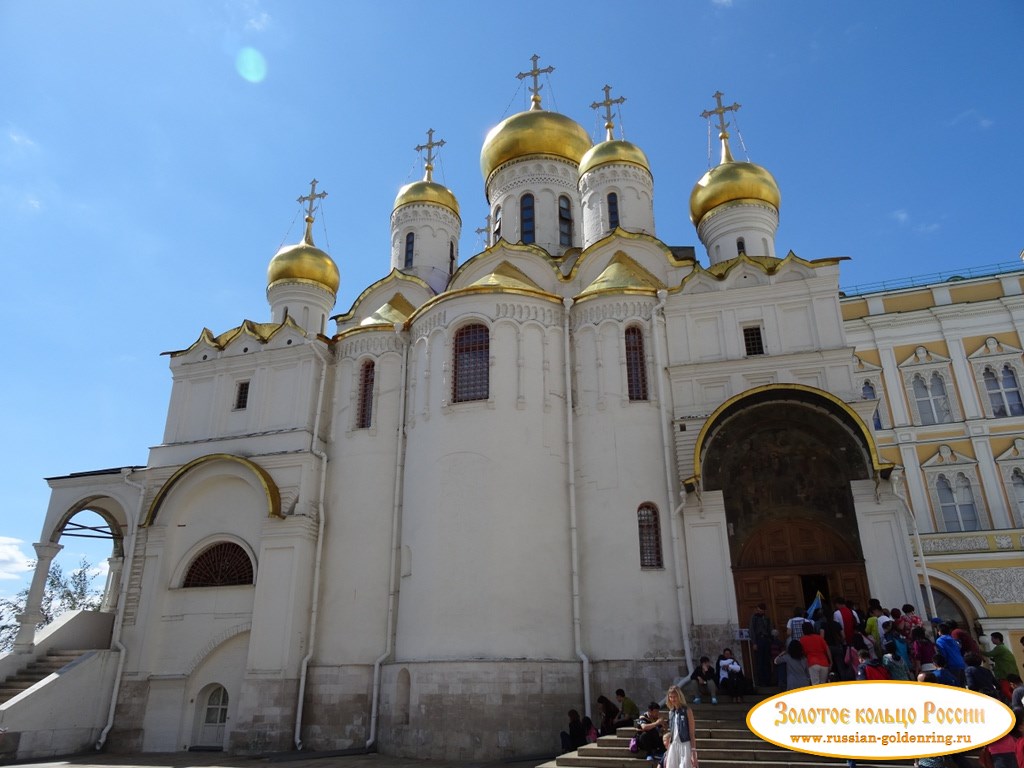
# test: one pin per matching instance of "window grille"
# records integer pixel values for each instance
(222, 565)
(649, 530)
(753, 343)
(636, 364)
(471, 364)
(241, 395)
(364, 415)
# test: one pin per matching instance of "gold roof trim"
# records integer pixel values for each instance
(620, 233)
(270, 488)
(261, 332)
(396, 310)
(621, 274)
(770, 265)
(394, 275)
(884, 468)
(506, 276)
(503, 245)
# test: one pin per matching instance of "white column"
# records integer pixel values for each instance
(963, 376)
(112, 591)
(45, 552)
(916, 489)
(894, 387)
(991, 483)
(885, 542)
(712, 591)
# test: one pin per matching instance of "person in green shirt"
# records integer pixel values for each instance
(1003, 663)
(630, 710)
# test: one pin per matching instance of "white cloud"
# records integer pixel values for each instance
(927, 229)
(973, 116)
(19, 139)
(258, 22)
(901, 216)
(722, 3)
(14, 563)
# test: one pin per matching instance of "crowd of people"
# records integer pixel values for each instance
(847, 644)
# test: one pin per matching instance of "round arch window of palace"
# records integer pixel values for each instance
(224, 564)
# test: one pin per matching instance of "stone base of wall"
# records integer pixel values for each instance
(125, 735)
(336, 712)
(266, 717)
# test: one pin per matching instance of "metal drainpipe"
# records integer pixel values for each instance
(917, 541)
(395, 516)
(314, 612)
(570, 449)
(678, 543)
(129, 553)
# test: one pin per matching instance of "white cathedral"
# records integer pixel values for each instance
(502, 486)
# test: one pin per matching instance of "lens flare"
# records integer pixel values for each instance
(251, 65)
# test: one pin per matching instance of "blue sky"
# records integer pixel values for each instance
(151, 154)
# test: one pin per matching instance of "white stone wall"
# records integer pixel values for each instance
(434, 229)
(634, 188)
(547, 179)
(755, 223)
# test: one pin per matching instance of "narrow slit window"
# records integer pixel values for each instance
(364, 416)
(564, 221)
(636, 364)
(410, 244)
(527, 222)
(241, 395)
(741, 246)
(471, 363)
(497, 225)
(613, 210)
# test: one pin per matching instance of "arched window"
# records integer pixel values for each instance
(649, 532)
(472, 351)
(741, 246)
(613, 210)
(1003, 393)
(222, 565)
(956, 502)
(451, 257)
(932, 403)
(410, 242)
(564, 221)
(636, 364)
(364, 414)
(867, 392)
(496, 229)
(527, 222)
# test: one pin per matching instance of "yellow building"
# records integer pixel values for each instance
(942, 357)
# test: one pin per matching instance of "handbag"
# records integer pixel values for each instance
(634, 744)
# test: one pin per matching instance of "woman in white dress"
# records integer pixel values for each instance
(680, 740)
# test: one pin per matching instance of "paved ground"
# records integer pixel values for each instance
(306, 760)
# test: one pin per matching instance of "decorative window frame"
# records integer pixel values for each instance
(185, 563)
(995, 354)
(1011, 462)
(867, 373)
(926, 363)
(947, 463)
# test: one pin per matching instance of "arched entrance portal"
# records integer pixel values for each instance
(783, 459)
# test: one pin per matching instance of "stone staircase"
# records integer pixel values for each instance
(36, 670)
(723, 741)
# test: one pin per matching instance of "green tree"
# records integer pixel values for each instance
(63, 592)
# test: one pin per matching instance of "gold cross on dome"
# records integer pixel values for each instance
(429, 146)
(720, 111)
(311, 198)
(535, 73)
(608, 103)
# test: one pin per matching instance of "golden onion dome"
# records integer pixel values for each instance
(535, 132)
(427, 192)
(304, 262)
(731, 181)
(613, 152)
